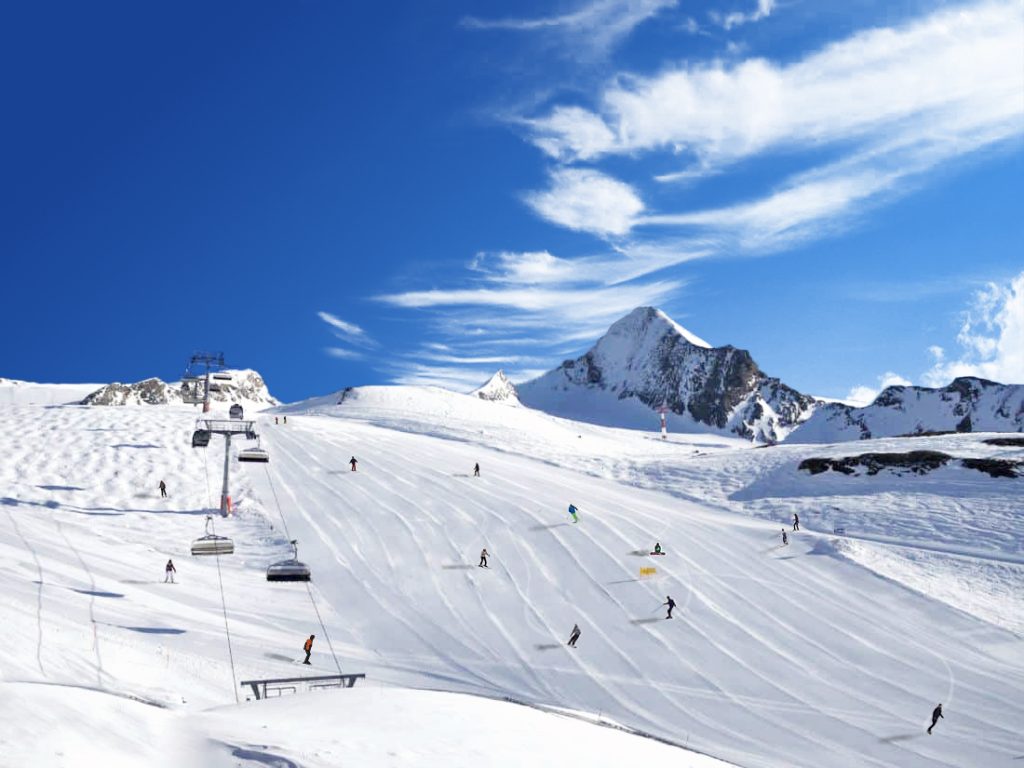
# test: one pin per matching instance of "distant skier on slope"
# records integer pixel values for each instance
(285, 419)
(657, 548)
(308, 647)
(483, 558)
(574, 636)
(785, 538)
(573, 511)
(163, 490)
(936, 714)
(476, 470)
(796, 522)
(169, 571)
(353, 463)
(671, 604)
(275, 419)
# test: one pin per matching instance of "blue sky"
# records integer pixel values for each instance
(426, 192)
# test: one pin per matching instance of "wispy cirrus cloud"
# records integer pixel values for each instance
(593, 29)
(947, 72)
(991, 338)
(343, 354)
(737, 18)
(346, 332)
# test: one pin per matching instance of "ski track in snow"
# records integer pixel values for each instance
(775, 656)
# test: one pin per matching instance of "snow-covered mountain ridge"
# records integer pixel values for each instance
(245, 386)
(646, 360)
(967, 405)
(498, 389)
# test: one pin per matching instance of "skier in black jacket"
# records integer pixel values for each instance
(671, 604)
(936, 714)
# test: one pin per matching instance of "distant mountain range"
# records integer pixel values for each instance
(245, 386)
(646, 361)
(966, 405)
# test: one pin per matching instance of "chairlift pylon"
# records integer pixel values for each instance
(289, 570)
(212, 544)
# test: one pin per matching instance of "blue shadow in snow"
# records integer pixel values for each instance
(60, 487)
(156, 630)
(96, 592)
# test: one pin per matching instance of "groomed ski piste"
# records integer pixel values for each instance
(830, 651)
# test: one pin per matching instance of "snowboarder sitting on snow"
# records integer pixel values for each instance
(657, 548)
(785, 538)
(936, 714)
(671, 604)
(575, 635)
(476, 470)
(796, 522)
(353, 462)
(163, 490)
(169, 571)
(308, 648)
(573, 511)
(483, 558)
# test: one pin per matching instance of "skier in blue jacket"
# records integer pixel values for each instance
(573, 511)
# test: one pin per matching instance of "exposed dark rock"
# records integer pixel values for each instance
(917, 462)
(1010, 442)
(995, 467)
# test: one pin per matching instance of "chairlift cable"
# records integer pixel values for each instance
(220, 582)
(309, 589)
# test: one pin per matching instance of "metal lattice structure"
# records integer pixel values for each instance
(195, 386)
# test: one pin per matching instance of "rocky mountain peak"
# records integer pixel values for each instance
(498, 389)
(244, 386)
(645, 360)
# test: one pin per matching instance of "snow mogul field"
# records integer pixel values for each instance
(775, 656)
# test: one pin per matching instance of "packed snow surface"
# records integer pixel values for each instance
(832, 650)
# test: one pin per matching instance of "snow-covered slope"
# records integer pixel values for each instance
(498, 389)
(246, 387)
(646, 360)
(776, 656)
(15, 392)
(966, 405)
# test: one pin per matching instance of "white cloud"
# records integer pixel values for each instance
(343, 354)
(594, 28)
(954, 70)
(736, 18)
(862, 395)
(347, 331)
(991, 338)
(588, 201)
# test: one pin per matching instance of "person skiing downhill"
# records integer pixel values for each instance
(785, 538)
(671, 604)
(936, 714)
(169, 571)
(483, 558)
(573, 511)
(476, 470)
(308, 648)
(353, 463)
(275, 419)
(163, 490)
(574, 636)
(796, 522)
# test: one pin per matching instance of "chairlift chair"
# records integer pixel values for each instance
(200, 438)
(222, 376)
(214, 387)
(235, 411)
(289, 570)
(192, 390)
(211, 544)
(256, 454)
